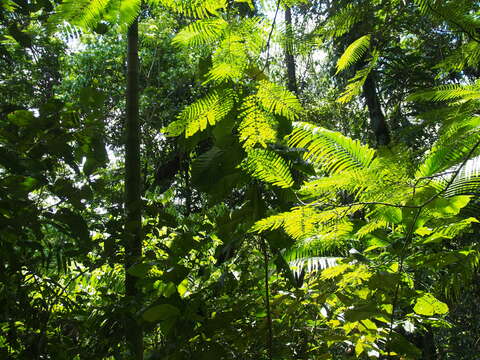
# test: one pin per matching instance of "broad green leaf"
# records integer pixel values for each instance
(443, 207)
(182, 287)
(161, 312)
(139, 270)
(21, 118)
(428, 305)
(402, 346)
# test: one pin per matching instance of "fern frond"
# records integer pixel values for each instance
(424, 5)
(194, 8)
(467, 182)
(355, 84)
(343, 21)
(239, 45)
(449, 150)
(353, 53)
(329, 185)
(300, 222)
(128, 11)
(467, 55)
(335, 152)
(253, 30)
(257, 126)
(370, 227)
(87, 14)
(229, 60)
(448, 93)
(311, 264)
(9, 5)
(206, 111)
(278, 100)
(268, 166)
(205, 31)
(311, 225)
(82, 13)
(204, 162)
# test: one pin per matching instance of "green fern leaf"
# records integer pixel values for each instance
(450, 149)
(257, 126)
(335, 152)
(194, 8)
(203, 112)
(278, 100)
(342, 22)
(311, 264)
(467, 55)
(325, 188)
(467, 182)
(353, 53)
(205, 31)
(424, 5)
(311, 226)
(447, 93)
(269, 167)
(128, 11)
(229, 60)
(355, 84)
(238, 47)
(83, 13)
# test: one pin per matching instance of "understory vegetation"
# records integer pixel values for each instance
(239, 179)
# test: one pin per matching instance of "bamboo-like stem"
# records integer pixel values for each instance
(133, 204)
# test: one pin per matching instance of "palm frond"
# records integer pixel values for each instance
(268, 166)
(335, 152)
(353, 53)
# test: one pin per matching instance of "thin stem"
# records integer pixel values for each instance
(409, 237)
(267, 60)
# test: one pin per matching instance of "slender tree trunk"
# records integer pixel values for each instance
(289, 58)
(377, 119)
(428, 349)
(267, 302)
(133, 206)
(188, 188)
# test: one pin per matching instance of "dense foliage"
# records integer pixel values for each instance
(237, 179)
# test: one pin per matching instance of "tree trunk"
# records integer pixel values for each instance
(377, 119)
(289, 58)
(133, 206)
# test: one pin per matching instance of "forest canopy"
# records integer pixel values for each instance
(239, 179)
